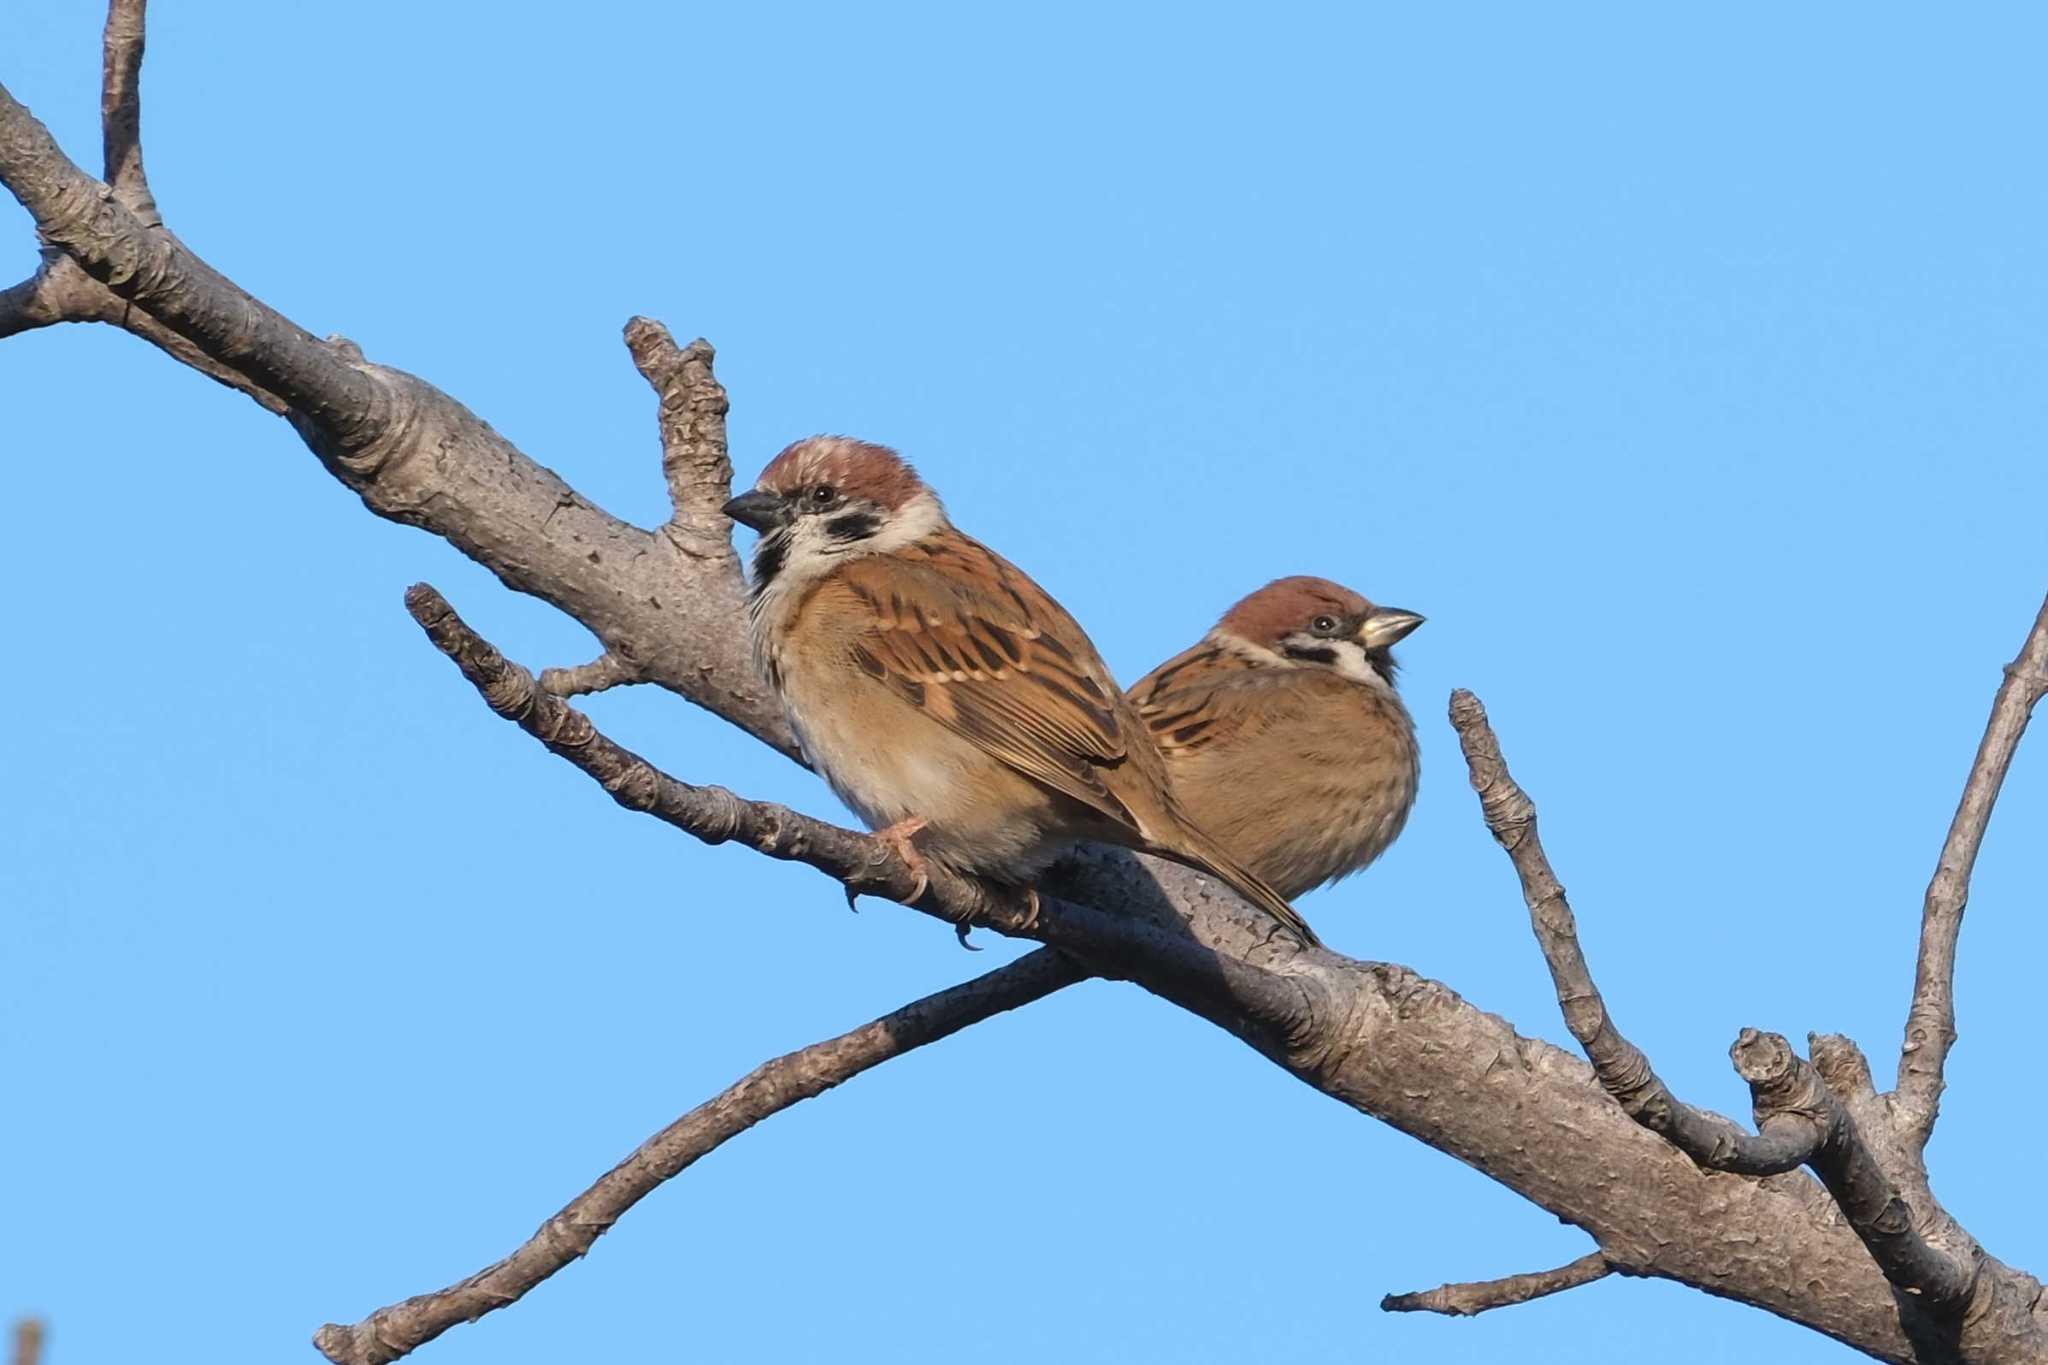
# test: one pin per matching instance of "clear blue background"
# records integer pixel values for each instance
(1685, 372)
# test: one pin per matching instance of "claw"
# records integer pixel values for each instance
(853, 900)
(1031, 915)
(960, 932)
(898, 837)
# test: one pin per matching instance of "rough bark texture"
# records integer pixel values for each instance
(1606, 1148)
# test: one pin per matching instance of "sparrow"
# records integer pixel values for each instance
(943, 695)
(1283, 734)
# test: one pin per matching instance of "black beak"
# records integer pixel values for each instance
(1387, 626)
(757, 510)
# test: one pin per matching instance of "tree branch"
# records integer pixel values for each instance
(1471, 1298)
(392, 1332)
(1145, 941)
(157, 273)
(601, 674)
(28, 1341)
(670, 622)
(1782, 1144)
(1931, 1021)
(121, 110)
(694, 458)
(1798, 1119)
(1782, 1083)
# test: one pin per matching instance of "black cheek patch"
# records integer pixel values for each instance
(853, 526)
(1314, 654)
(769, 556)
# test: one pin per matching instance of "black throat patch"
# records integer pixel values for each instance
(771, 552)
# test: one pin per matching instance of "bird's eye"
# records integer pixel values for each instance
(823, 494)
(1324, 625)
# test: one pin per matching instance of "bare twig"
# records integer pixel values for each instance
(121, 110)
(392, 1332)
(604, 672)
(1471, 1298)
(865, 864)
(1931, 1022)
(694, 458)
(1783, 1143)
(28, 1341)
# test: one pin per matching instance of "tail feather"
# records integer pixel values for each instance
(1202, 853)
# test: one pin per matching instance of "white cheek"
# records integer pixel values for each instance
(907, 525)
(1352, 663)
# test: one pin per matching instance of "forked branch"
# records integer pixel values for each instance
(1799, 1121)
(1786, 1140)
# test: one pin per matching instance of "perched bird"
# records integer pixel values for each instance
(943, 695)
(1283, 734)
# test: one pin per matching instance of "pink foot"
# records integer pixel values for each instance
(898, 837)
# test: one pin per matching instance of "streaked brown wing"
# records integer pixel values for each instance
(963, 635)
(1199, 698)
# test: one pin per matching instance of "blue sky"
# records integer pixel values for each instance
(1684, 370)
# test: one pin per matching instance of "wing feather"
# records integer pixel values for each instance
(960, 633)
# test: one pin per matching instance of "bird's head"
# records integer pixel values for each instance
(825, 497)
(1308, 622)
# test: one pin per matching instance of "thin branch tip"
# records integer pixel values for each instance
(121, 110)
(1931, 1019)
(1471, 1298)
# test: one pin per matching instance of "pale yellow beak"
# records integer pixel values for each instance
(1386, 626)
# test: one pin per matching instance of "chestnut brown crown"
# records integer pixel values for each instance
(1291, 606)
(850, 468)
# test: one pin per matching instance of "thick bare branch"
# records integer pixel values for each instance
(1473, 1297)
(121, 110)
(61, 292)
(1931, 1022)
(694, 458)
(392, 1332)
(1784, 1143)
